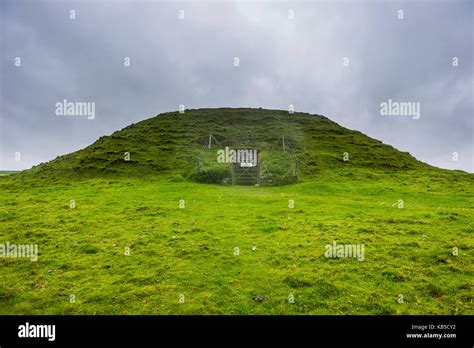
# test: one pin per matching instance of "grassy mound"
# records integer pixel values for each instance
(138, 237)
(171, 143)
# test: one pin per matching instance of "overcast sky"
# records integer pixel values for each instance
(283, 60)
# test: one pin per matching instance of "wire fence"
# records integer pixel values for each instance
(275, 163)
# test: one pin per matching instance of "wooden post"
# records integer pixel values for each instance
(258, 173)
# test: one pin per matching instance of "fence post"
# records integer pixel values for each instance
(232, 170)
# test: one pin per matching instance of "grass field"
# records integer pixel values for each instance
(142, 238)
(191, 251)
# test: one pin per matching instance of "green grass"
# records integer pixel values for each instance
(172, 142)
(191, 250)
(7, 172)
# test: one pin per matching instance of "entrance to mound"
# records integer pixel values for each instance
(245, 174)
(246, 162)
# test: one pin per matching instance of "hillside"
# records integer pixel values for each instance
(139, 236)
(171, 143)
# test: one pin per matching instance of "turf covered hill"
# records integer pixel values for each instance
(136, 236)
(172, 143)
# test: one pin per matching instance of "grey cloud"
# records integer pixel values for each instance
(282, 62)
